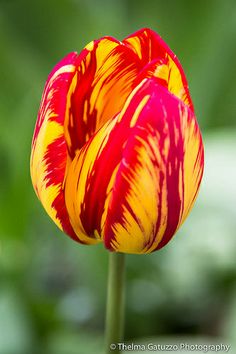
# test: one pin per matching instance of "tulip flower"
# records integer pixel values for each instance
(117, 154)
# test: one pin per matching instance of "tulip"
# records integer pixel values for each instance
(117, 154)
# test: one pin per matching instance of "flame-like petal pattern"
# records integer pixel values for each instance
(117, 154)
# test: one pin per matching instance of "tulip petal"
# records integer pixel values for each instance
(159, 175)
(135, 180)
(87, 182)
(49, 152)
(102, 82)
(161, 61)
(90, 178)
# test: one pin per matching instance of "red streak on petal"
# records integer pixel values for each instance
(77, 127)
(175, 159)
(55, 160)
(62, 215)
(59, 87)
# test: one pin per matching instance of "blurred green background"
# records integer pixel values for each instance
(52, 290)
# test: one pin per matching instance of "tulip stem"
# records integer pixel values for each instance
(115, 302)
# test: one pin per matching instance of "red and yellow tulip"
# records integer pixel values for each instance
(117, 154)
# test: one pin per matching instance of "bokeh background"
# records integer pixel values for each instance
(52, 290)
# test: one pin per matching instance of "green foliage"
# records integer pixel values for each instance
(52, 290)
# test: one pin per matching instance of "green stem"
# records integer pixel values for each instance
(115, 302)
